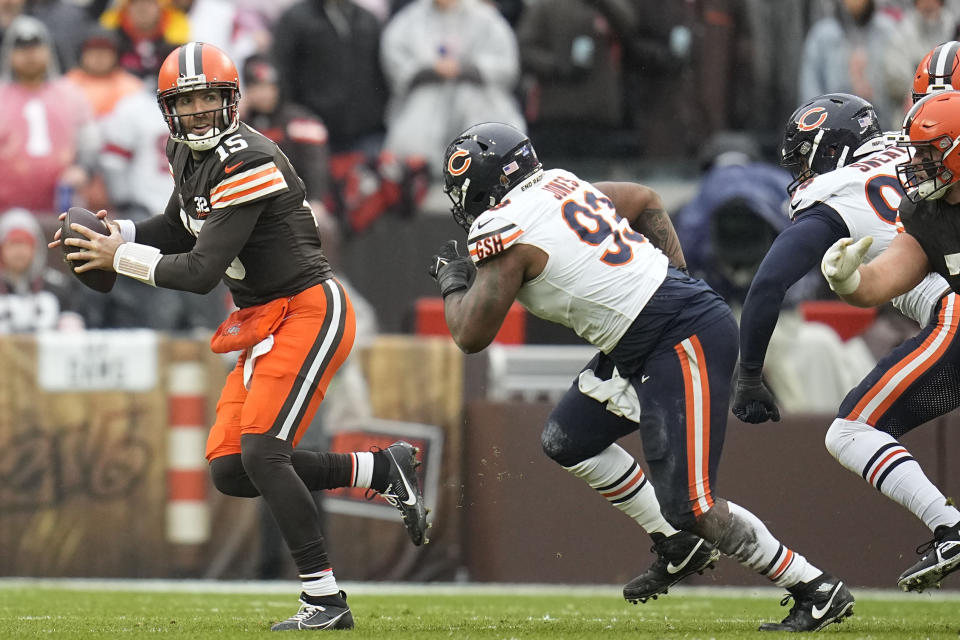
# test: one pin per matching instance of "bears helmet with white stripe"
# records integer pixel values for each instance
(197, 66)
(827, 133)
(482, 164)
(938, 71)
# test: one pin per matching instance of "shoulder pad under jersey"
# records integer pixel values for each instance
(491, 233)
(849, 181)
(246, 174)
(823, 188)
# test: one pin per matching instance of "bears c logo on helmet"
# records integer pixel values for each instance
(458, 170)
(817, 114)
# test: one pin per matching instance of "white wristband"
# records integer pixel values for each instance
(137, 261)
(128, 230)
(847, 285)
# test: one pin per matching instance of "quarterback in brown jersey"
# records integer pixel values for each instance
(238, 213)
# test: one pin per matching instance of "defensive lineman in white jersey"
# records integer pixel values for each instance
(596, 258)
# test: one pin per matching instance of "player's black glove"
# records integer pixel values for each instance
(452, 271)
(752, 401)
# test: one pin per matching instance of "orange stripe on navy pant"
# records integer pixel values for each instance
(289, 381)
(697, 391)
(896, 396)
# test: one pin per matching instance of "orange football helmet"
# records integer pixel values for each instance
(931, 133)
(192, 67)
(938, 71)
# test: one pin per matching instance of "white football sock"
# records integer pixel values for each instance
(615, 475)
(887, 465)
(321, 583)
(748, 541)
(362, 469)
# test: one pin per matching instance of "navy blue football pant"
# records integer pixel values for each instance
(679, 356)
(917, 381)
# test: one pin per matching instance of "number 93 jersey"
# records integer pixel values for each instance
(599, 273)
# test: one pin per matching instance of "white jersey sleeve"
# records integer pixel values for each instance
(599, 273)
(866, 195)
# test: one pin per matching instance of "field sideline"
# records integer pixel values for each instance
(81, 609)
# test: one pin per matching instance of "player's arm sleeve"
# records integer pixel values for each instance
(165, 232)
(222, 237)
(794, 252)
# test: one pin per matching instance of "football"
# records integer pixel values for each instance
(98, 280)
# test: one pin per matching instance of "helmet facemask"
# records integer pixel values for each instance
(457, 193)
(796, 161)
(226, 118)
(925, 176)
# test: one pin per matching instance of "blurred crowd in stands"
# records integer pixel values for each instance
(363, 95)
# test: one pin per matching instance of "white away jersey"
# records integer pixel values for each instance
(866, 194)
(600, 272)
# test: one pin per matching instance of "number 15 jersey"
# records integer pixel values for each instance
(599, 273)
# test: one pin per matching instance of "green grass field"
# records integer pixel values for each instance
(45, 610)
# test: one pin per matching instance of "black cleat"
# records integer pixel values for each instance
(403, 492)
(333, 614)
(678, 556)
(941, 557)
(817, 603)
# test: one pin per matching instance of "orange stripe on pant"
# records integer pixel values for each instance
(696, 389)
(882, 395)
(290, 380)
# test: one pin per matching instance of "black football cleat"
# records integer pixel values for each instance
(941, 557)
(334, 613)
(403, 491)
(822, 601)
(678, 556)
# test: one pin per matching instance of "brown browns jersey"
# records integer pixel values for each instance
(936, 226)
(238, 212)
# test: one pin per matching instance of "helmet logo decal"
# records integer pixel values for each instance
(811, 119)
(452, 167)
(510, 168)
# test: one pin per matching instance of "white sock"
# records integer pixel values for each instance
(615, 475)
(749, 542)
(362, 469)
(887, 465)
(321, 583)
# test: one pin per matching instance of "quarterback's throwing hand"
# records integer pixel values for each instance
(752, 401)
(841, 261)
(452, 271)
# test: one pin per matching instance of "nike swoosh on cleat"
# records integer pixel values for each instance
(411, 496)
(675, 568)
(818, 612)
